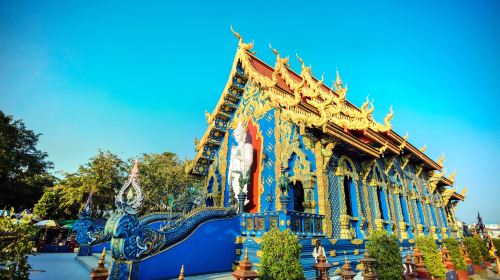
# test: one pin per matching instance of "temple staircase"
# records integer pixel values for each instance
(90, 262)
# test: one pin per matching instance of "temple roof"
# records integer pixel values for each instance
(309, 103)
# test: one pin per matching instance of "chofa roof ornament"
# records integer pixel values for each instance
(129, 198)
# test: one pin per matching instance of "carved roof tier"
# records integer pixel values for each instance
(307, 102)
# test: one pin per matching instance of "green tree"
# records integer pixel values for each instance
(385, 249)
(104, 174)
(49, 207)
(163, 176)
(281, 256)
(432, 259)
(454, 247)
(15, 245)
(23, 167)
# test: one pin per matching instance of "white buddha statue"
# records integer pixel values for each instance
(241, 160)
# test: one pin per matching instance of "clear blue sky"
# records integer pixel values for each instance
(137, 77)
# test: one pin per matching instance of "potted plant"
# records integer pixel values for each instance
(457, 258)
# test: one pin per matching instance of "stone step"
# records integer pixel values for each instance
(91, 262)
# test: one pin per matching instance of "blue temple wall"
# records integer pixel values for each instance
(334, 183)
(209, 249)
(404, 207)
(267, 126)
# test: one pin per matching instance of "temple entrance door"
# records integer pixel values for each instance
(298, 197)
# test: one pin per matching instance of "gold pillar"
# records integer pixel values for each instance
(344, 227)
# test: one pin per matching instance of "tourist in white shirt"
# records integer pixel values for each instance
(318, 250)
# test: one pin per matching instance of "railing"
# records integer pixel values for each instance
(302, 224)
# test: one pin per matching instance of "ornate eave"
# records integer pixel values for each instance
(419, 156)
(445, 182)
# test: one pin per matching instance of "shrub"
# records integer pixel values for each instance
(281, 256)
(15, 246)
(432, 258)
(496, 242)
(454, 248)
(485, 253)
(385, 249)
(473, 250)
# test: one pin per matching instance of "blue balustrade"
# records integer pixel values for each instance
(301, 224)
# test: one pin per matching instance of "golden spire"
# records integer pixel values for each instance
(338, 80)
(181, 275)
(246, 254)
(102, 259)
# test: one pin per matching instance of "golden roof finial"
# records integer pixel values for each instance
(304, 67)
(279, 60)
(236, 33)
(300, 59)
(208, 116)
(406, 136)
(246, 254)
(365, 104)
(403, 144)
(241, 45)
(464, 191)
(452, 176)
(441, 159)
(423, 149)
(388, 118)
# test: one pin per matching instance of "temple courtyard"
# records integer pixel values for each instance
(61, 266)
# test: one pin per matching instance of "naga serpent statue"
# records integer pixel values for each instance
(87, 232)
(133, 238)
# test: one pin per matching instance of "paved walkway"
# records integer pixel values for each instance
(56, 266)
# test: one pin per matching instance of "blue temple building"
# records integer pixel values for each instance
(282, 150)
(346, 174)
